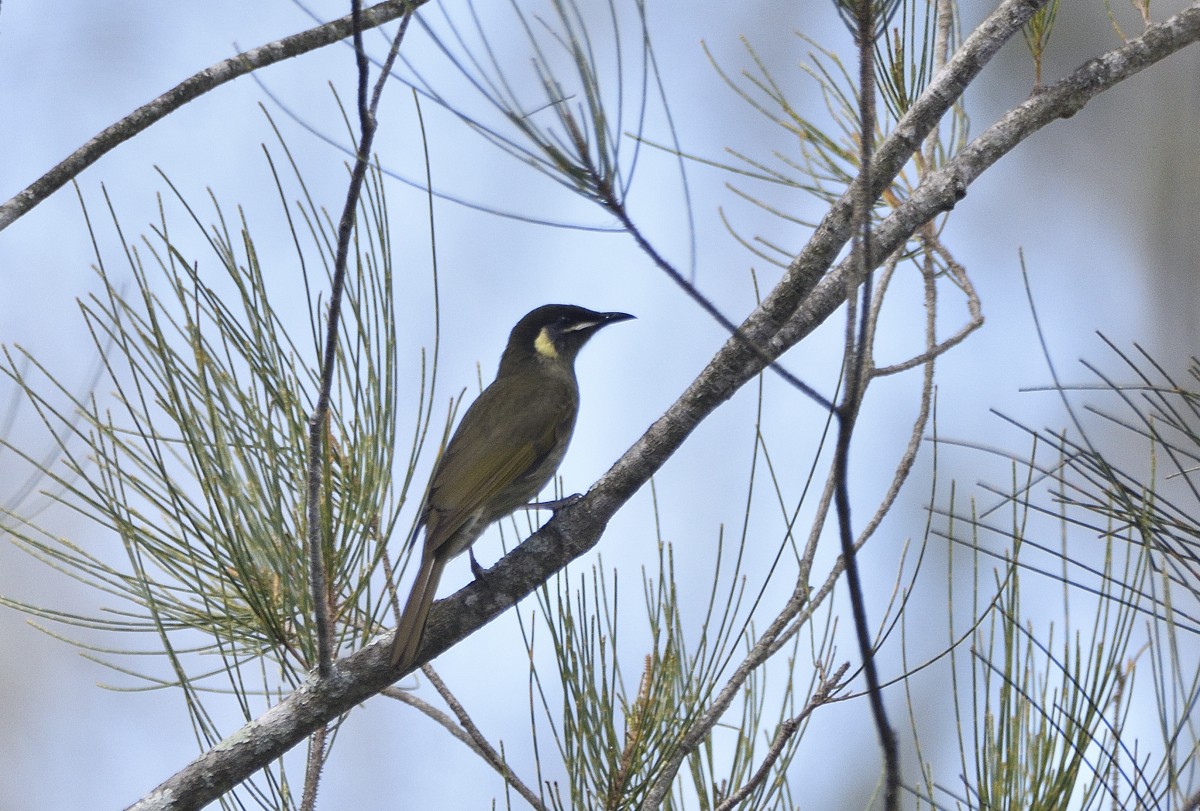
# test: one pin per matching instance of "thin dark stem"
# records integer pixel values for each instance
(318, 568)
(857, 353)
(617, 208)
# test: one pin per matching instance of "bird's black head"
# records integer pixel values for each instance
(555, 332)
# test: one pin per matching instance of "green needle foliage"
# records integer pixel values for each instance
(614, 735)
(1045, 710)
(1047, 720)
(191, 455)
(905, 56)
(613, 740)
(572, 129)
(822, 153)
(196, 459)
(881, 12)
(1037, 37)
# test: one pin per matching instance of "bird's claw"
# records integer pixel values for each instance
(476, 569)
(555, 505)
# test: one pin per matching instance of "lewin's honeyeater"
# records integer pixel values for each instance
(507, 447)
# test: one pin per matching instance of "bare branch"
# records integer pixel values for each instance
(790, 304)
(479, 743)
(317, 422)
(318, 573)
(941, 190)
(437, 716)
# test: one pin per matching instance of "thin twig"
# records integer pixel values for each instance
(974, 310)
(318, 566)
(909, 456)
(787, 730)
(312, 772)
(437, 716)
(481, 743)
(389, 579)
(807, 288)
(856, 382)
(617, 209)
(946, 10)
(759, 652)
(318, 572)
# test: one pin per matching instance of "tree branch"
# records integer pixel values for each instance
(317, 422)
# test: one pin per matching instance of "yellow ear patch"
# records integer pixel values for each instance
(544, 344)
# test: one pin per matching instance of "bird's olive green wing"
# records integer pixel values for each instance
(492, 462)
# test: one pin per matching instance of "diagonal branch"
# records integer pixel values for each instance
(837, 226)
(942, 189)
(318, 422)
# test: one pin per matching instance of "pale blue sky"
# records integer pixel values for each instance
(1074, 199)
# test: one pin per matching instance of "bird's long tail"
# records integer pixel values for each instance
(416, 611)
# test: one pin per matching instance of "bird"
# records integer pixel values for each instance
(508, 445)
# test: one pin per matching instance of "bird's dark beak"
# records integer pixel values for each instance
(601, 320)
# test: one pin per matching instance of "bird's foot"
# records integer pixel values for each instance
(476, 569)
(555, 505)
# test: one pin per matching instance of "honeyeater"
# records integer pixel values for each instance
(507, 447)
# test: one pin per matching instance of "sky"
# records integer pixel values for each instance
(1099, 205)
